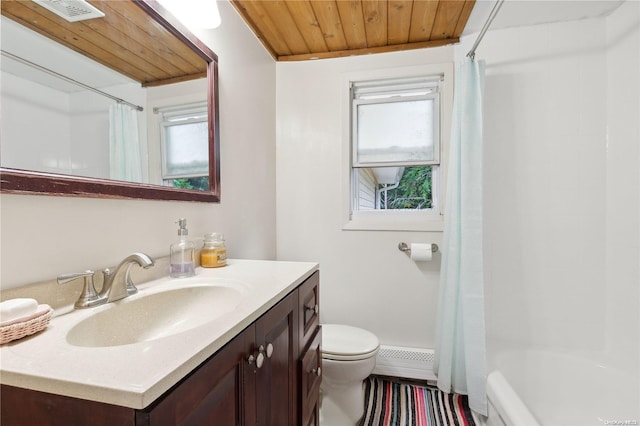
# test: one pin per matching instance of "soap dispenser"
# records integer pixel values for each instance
(182, 253)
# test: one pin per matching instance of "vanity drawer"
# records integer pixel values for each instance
(310, 378)
(309, 309)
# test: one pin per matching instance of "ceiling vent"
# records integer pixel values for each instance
(71, 10)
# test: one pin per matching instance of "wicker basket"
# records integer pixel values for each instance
(19, 330)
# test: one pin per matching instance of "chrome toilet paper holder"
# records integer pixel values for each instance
(405, 248)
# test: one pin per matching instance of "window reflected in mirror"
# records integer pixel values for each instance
(185, 146)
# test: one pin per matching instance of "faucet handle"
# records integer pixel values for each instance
(65, 278)
(89, 296)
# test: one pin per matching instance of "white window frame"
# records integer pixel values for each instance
(397, 220)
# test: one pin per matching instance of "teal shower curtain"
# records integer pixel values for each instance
(460, 336)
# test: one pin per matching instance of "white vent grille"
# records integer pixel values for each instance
(409, 363)
(71, 10)
(420, 355)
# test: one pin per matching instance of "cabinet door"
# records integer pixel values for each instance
(28, 407)
(310, 378)
(276, 380)
(220, 392)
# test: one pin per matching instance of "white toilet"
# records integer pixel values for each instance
(348, 357)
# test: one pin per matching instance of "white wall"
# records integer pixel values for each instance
(365, 280)
(89, 121)
(545, 186)
(561, 187)
(56, 131)
(622, 292)
(21, 101)
(46, 236)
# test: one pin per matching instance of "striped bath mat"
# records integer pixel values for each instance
(389, 403)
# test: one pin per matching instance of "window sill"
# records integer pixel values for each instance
(395, 221)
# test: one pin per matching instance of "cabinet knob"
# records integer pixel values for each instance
(317, 371)
(268, 351)
(257, 359)
(313, 308)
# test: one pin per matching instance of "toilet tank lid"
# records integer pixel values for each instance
(341, 339)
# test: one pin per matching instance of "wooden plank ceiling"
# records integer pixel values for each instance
(126, 40)
(315, 29)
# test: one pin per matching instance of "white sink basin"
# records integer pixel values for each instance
(142, 318)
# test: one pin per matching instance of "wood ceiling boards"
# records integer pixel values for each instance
(126, 40)
(315, 29)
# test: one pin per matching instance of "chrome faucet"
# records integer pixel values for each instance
(117, 284)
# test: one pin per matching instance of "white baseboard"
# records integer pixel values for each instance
(408, 363)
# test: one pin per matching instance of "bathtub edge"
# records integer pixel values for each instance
(510, 408)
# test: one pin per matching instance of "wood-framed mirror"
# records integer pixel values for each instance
(157, 55)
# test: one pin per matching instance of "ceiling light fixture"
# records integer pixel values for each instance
(194, 13)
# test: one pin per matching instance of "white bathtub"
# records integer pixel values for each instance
(551, 389)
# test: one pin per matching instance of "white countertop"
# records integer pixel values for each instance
(134, 375)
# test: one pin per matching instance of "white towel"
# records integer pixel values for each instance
(13, 310)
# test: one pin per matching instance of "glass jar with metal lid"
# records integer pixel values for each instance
(214, 252)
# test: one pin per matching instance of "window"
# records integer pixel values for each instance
(185, 146)
(395, 144)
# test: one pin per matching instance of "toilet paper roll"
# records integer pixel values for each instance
(421, 252)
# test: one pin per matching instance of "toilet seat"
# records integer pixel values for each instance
(346, 343)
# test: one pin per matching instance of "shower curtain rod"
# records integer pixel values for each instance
(68, 79)
(492, 15)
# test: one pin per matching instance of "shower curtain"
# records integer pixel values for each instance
(460, 337)
(124, 144)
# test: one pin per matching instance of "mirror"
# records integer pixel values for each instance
(78, 139)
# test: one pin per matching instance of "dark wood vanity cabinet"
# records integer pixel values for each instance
(310, 377)
(252, 380)
(219, 392)
(309, 309)
(277, 379)
(310, 359)
(267, 375)
(25, 407)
